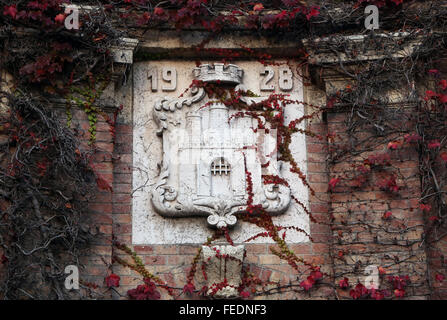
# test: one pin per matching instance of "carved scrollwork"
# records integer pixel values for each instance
(163, 196)
(221, 212)
(277, 198)
(164, 105)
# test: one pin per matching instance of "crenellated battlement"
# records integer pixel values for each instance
(219, 72)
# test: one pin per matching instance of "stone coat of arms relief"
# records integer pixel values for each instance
(207, 152)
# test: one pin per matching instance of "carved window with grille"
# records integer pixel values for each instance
(220, 166)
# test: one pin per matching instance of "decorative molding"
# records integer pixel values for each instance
(321, 53)
(123, 52)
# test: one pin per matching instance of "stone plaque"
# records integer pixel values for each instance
(191, 155)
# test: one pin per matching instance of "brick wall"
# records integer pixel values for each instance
(362, 236)
(351, 233)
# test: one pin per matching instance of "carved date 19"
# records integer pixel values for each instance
(168, 75)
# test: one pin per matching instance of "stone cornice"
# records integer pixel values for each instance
(321, 53)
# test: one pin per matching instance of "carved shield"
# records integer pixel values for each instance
(213, 162)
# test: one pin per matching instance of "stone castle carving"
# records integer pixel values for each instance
(206, 156)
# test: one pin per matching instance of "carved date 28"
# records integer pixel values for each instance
(285, 79)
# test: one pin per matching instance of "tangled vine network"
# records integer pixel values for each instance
(397, 100)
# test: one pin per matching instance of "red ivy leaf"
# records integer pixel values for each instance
(429, 95)
(333, 182)
(387, 215)
(313, 13)
(377, 294)
(443, 84)
(113, 280)
(159, 11)
(440, 277)
(258, 7)
(344, 283)
(189, 288)
(433, 71)
(399, 293)
(146, 291)
(389, 184)
(102, 183)
(359, 291)
(382, 270)
(10, 11)
(434, 144)
(330, 103)
(308, 283)
(316, 274)
(394, 145)
(59, 18)
(409, 138)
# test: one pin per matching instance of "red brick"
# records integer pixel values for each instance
(102, 156)
(155, 260)
(269, 259)
(103, 197)
(256, 248)
(122, 168)
(122, 228)
(102, 126)
(103, 166)
(124, 138)
(121, 209)
(123, 178)
(188, 249)
(104, 146)
(104, 137)
(320, 248)
(102, 218)
(143, 249)
(106, 229)
(122, 218)
(100, 207)
(319, 208)
(123, 129)
(126, 158)
(122, 198)
(123, 148)
(316, 148)
(299, 249)
(122, 188)
(317, 167)
(317, 177)
(166, 249)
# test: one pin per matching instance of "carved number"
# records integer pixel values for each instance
(168, 75)
(270, 73)
(285, 80)
(152, 74)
